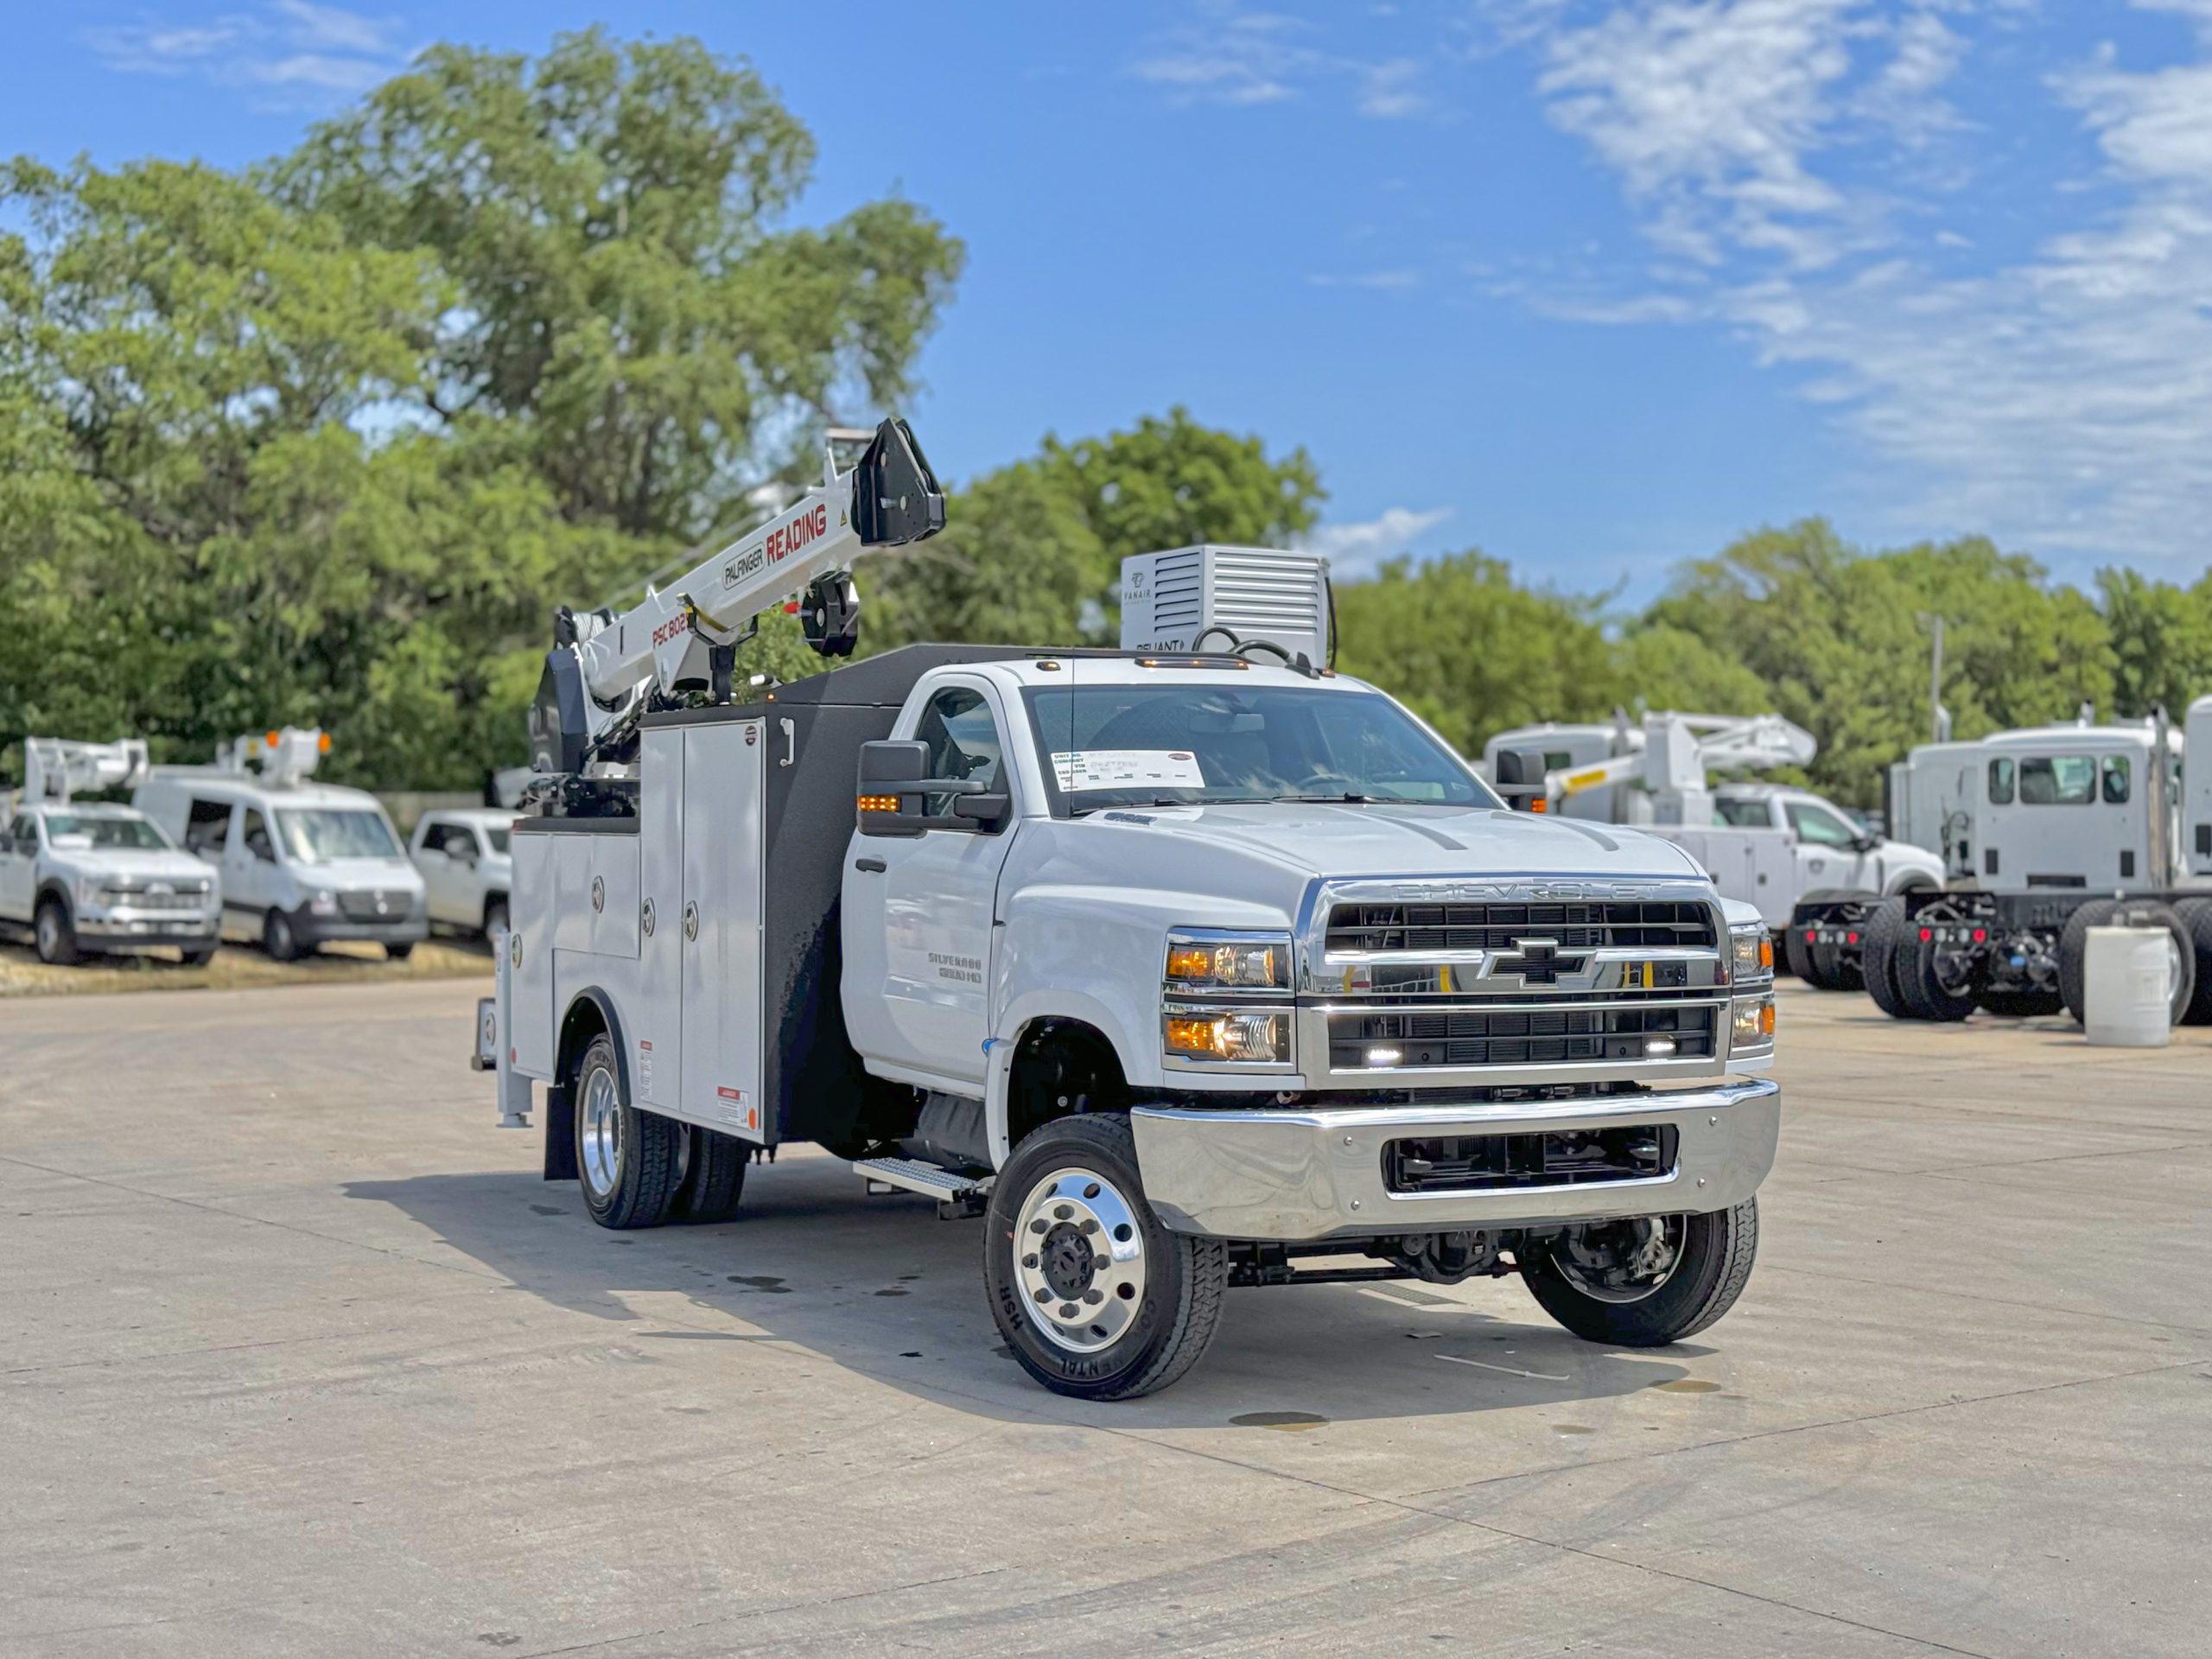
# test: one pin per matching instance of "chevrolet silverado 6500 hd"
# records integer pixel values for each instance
(1182, 971)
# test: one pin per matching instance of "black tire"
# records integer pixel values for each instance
(278, 939)
(495, 917)
(714, 1178)
(398, 952)
(1913, 967)
(1165, 1326)
(627, 1172)
(2020, 1005)
(2196, 916)
(53, 932)
(1879, 942)
(2073, 947)
(1797, 955)
(1714, 1264)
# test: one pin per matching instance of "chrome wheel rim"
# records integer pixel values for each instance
(2174, 970)
(1622, 1261)
(599, 1132)
(1079, 1260)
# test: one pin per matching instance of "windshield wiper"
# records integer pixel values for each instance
(1331, 800)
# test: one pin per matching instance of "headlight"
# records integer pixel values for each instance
(1754, 1026)
(1256, 1038)
(1199, 963)
(323, 902)
(88, 890)
(1754, 948)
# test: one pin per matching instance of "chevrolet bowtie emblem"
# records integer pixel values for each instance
(1539, 962)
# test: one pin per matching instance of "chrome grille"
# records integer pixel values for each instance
(374, 906)
(178, 898)
(1585, 925)
(1615, 1031)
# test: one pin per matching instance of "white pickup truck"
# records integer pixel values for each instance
(91, 876)
(1186, 972)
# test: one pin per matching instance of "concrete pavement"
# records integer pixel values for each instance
(297, 1354)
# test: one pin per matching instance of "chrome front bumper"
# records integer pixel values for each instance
(1300, 1174)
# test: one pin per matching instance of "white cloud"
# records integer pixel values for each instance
(2062, 400)
(1244, 59)
(291, 50)
(1355, 549)
(1387, 282)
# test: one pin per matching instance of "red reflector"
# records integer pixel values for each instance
(1809, 935)
(1926, 934)
(1851, 938)
(511, 1057)
(1980, 935)
(791, 607)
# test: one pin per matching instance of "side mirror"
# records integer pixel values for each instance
(1521, 779)
(895, 787)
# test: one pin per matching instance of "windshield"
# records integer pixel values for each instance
(498, 838)
(317, 834)
(120, 834)
(1171, 745)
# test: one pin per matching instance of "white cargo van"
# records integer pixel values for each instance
(302, 864)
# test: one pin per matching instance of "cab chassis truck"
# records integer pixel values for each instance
(1181, 971)
(2047, 832)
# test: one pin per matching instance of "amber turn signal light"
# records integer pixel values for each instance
(879, 803)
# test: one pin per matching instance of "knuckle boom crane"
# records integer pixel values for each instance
(680, 643)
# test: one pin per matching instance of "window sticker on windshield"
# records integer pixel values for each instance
(1080, 769)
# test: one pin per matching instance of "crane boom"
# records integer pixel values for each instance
(604, 669)
(55, 766)
(1677, 750)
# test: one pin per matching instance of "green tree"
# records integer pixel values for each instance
(628, 306)
(2161, 641)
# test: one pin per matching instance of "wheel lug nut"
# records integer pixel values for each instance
(1063, 1212)
(1094, 1296)
(1038, 1226)
(1088, 1227)
(1029, 1261)
(1043, 1294)
(1068, 1310)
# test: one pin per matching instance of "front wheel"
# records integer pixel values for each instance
(1094, 1298)
(277, 937)
(55, 934)
(1645, 1283)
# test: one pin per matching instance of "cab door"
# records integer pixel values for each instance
(1827, 846)
(18, 866)
(249, 870)
(931, 954)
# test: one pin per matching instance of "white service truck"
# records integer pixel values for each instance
(94, 876)
(302, 863)
(1184, 971)
(2047, 832)
(1814, 874)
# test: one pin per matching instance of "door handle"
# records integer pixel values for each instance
(873, 865)
(790, 741)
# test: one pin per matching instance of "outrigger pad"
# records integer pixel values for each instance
(896, 499)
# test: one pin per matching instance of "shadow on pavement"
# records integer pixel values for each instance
(880, 1286)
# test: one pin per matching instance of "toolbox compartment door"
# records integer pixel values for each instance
(718, 926)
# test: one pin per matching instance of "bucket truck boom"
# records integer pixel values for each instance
(605, 670)
(54, 767)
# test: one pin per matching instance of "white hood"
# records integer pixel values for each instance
(119, 864)
(1353, 839)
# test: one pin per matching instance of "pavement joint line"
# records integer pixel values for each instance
(258, 1221)
(1855, 1173)
(767, 1612)
(1751, 1435)
(194, 1353)
(1992, 1301)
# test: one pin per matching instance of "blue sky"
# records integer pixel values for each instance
(1593, 284)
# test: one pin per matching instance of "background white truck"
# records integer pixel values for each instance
(467, 873)
(302, 864)
(98, 876)
(1813, 873)
(2047, 832)
(1184, 972)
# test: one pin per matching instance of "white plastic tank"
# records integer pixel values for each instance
(2127, 997)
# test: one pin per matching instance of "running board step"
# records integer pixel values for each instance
(957, 1195)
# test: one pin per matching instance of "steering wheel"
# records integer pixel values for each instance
(1314, 783)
